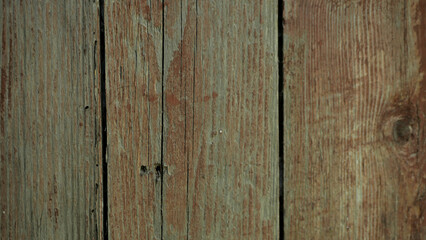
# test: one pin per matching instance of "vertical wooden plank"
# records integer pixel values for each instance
(354, 119)
(220, 120)
(133, 38)
(49, 120)
(415, 185)
(416, 24)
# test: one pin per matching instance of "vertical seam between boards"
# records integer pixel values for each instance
(281, 115)
(104, 121)
(162, 122)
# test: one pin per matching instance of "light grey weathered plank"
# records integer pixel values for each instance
(49, 120)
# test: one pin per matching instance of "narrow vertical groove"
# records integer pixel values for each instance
(281, 115)
(104, 119)
(162, 122)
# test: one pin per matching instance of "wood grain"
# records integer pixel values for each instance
(354, 119)
(49, 120)
(220, 120)
(133, 41)
(191, 96)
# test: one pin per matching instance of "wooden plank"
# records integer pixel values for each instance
(198, 111)
(354, 119)
(49, 120)
(133, 38)
(220, 120)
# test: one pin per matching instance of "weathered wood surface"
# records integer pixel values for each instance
(220, 120)
(192, 119)
(133, 40)
(354, 119)
(203, 103)
(49, 120)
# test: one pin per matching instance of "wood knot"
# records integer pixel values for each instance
(400, 122)
(403, 130)
(400, 128)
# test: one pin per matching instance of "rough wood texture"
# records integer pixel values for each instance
(354, 119)
(49, 124)
(220, 120)
(203, 103)
(133, 38)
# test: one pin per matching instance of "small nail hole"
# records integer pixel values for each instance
(144, 170)
(158, 170)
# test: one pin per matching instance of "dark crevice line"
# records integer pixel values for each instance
(104, 121)
(162, 122)
(281, 114)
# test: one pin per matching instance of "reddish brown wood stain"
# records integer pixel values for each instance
(219, 132)
(133, 38)
(354, 120)
(418, 15)
(212, 82)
